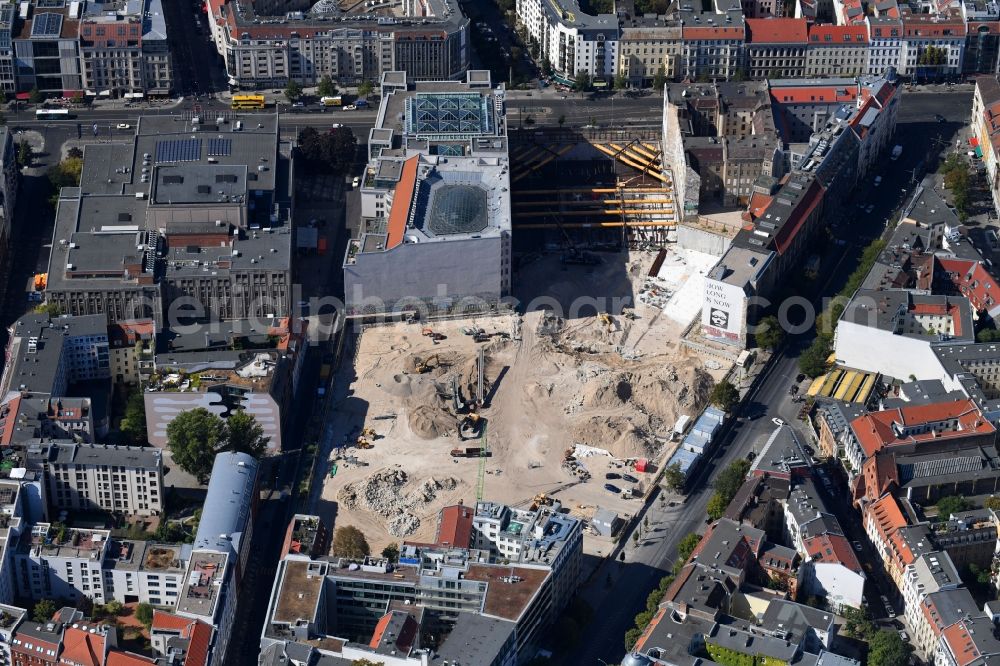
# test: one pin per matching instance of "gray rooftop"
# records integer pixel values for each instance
(230, 497)
(798, 619)
(71, 453)
(476, 639)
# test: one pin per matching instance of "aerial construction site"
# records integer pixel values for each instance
(520, 408)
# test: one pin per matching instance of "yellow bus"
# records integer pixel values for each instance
(248, 102)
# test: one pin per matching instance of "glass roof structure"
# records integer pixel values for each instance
(448, 114)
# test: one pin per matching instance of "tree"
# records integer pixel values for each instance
(326, 87)
(621, 83)
(65, 174)
(582, 81)
(546, 68)
(717, 505)
(144, 614)
(114, 607)
(365, 88)
(44, 610)
(293, 91)
(674, 477)
(391, 552)
(350, 542)
(561, 121)
(194, 437)
(133, 424)
(812, 362)
(730, 480)
(75, 152)
(770, 336)
(660, 78)
(632, 637)
(724, 395)
(25, 153)
(333, 151)
(244, 435)
(886, 648)
(687, 545)
(35, 96)
(952, 504)
(988, 335)
(992, 502)
(51, 309)
(857, 624)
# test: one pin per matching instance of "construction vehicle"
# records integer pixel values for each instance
(628, 313)
(470, 425)
(363, 443)
(481, 337)
(369, 432)
(541, 499)
(471, 452)
(421, 367)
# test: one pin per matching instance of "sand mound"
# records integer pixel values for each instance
(618, 436)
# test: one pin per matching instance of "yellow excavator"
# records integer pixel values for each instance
(606, 319)
(369, 432)
(540, 500)
(363, 443)
(421, 367)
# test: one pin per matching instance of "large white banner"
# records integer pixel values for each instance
(723, 311)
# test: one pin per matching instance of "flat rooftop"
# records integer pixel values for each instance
(200, 592)
(301, 587)
(510, 589)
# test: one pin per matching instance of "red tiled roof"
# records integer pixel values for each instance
(82, 647)
(973, 281)
(813, 94)
(980, 27)
(959, 640)
(169, 621)
(878, 430)
(455, 526)
(887, 515)
(116, 658)
(759, 203)
(837, 35)
(199, 637)
(402, 198)
(778, 31)
(832, 548)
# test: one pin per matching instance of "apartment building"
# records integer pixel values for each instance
(124, 48)
(646, 46)
(145, 572)
(267, 45)
(986, 126)
(9, 181)
(60, 563)
(132, 345)
(713, 46)
(118, 479)
(837, 50)
(885, 43)
(776, 48)
(571, 40)
(933, 45)
(927, 574)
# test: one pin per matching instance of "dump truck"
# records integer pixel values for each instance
(336, 100)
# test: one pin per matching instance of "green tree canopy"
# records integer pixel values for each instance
(350, 542)
(133, 424)
(687, 545)
(144, 613)
(245, 435)
(717, 505)
(724, 395)
(857, 623)
(660, 79)
(365, 88)
(770, 334)
(326, 87)
(674, 477)
(332, 151)
(992, 502)
(886, 648)
(44, 610)
(25, 153)
(582, 81)
(194, 437)
(391, 552)
(952, 504)
(730, 479)
(36, 96)
(293, 91)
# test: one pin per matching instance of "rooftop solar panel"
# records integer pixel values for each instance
(178, 150)
(46, 24)
(220, 147)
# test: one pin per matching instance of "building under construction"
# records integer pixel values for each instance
(627, 199)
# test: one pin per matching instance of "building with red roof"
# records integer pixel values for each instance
(986, 127)
(970, 642)
(455, 526)
(837, 50)
(970, 279)
(933, 44)
(84, 645)
(831, 570)
(776, 47)
(171, 633)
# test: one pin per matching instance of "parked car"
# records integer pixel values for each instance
(612, 488)
(351, 107)
(904, 636)
(629, 478)
(778, 422)
(611, 476)
(356, 181)
(124, 126)
(336, 126)
(857, 545)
